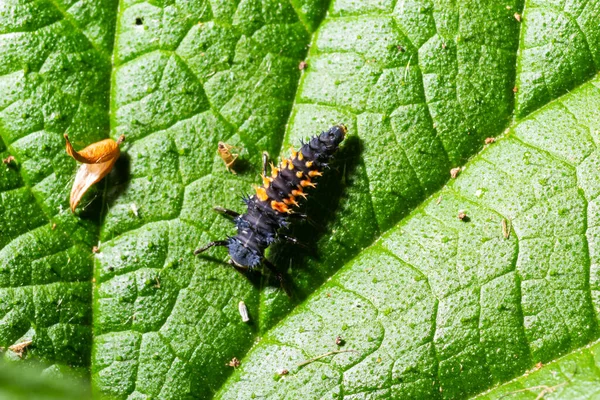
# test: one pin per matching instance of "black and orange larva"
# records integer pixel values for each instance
(270, 209)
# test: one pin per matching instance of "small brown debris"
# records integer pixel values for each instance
(8, 160)
(454, 172)
(233, 363)
(463, 216)
(20, 348)
(328, 294)
(227, 156)
(95, 249)
(490, 140)
(539, 365)
(515, 89)
(53, 226)
(339, 341)
(97, 161)
(505, 228)
(401, 49)
(283, 372)
(302, 66)
(518, 17)
(444, 45)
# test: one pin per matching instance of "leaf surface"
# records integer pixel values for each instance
(432, 305)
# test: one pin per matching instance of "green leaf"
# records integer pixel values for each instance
(444, 307)
(18, 382)
(573, 376)
(430, 305)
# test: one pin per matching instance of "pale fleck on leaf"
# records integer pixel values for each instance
(97, 161)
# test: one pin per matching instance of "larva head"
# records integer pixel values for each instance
(333, 137)
(243, 256)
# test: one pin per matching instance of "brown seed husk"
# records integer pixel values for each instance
(97, 161)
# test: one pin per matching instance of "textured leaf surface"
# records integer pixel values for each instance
(443, 307)
(575, 376)
(433, 306)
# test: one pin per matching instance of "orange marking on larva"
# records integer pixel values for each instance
(299, 174)
(306, 183)
(261, 193)
(279, 206)
(314, 173)
(284, 163)
(291, 201)
(299, 193)
(294, 152)
(300, 156)
(309, 164)
(290, 165)
(274, 171)
(266, 181)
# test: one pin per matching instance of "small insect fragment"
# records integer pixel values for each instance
(490, 140)
(302, 66)
(454, 172)
(243, 311)
(20, 348)
(97, 161)
(518, 17)
(283, 372)
(515, 89)
(8, 160)
(463, 216)
(505, 229)
(234, 363)
(339, 341)
(226, 155)
(95, 249)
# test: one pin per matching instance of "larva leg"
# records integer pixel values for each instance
(211, 244)
(294, 241)
(227, 212)
(278, 276)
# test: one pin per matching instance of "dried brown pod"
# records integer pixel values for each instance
(97, 161)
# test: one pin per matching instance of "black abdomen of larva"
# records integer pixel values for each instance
(271, 207)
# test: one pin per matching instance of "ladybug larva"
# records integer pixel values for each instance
(271, 208)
